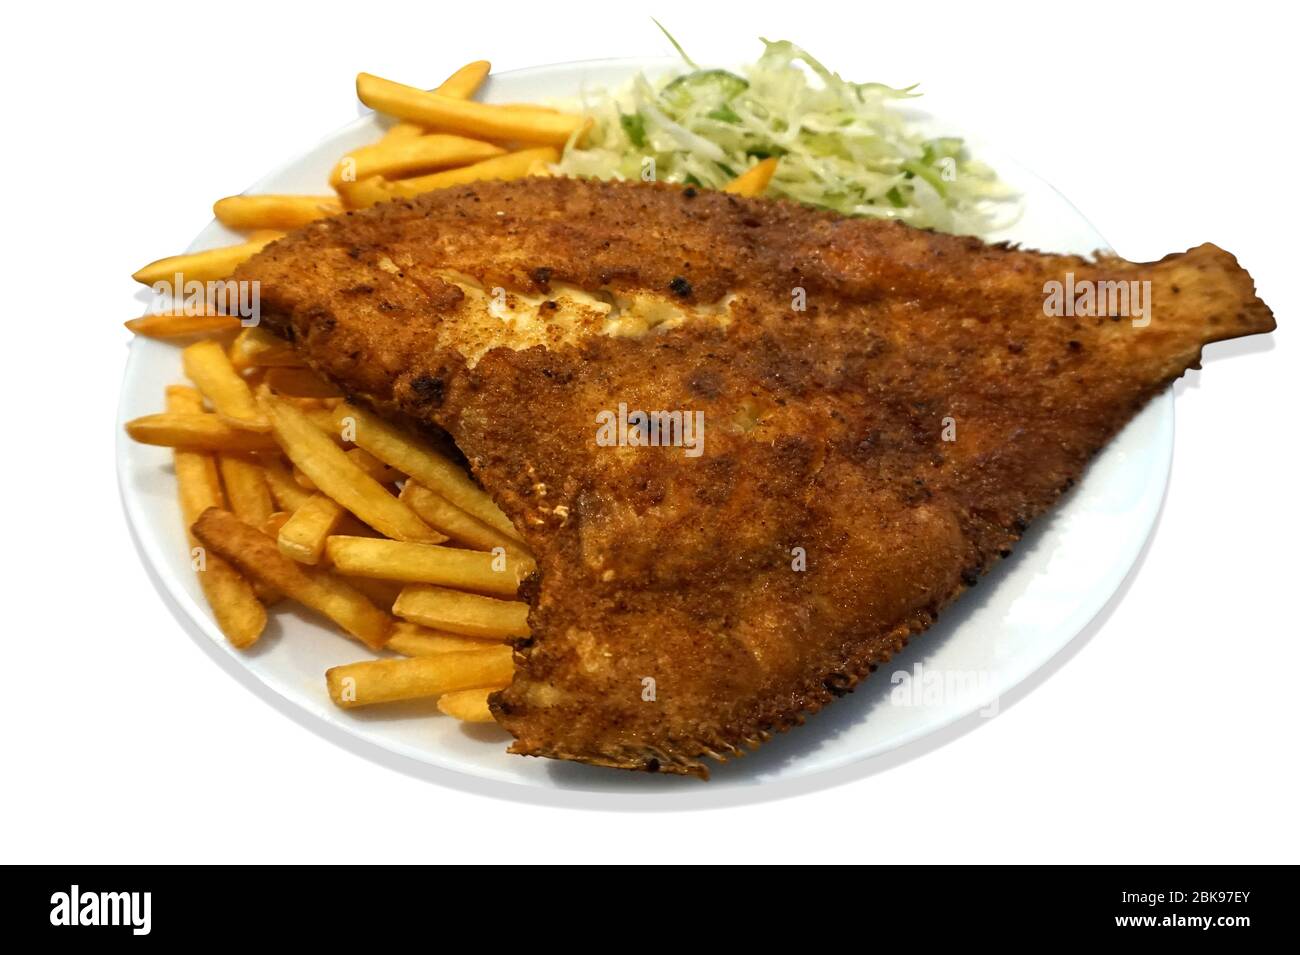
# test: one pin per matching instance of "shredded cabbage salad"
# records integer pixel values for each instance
(840, 145)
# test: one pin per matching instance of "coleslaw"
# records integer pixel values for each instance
(840, 145)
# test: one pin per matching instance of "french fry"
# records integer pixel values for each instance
(183, 399)
(461, 526)
(273, 212)
(382, 593)
(394, 158)
(181, 325)
(286, 491)
(219, 589)
(461, 85)
(402, 131)
(376, 468)
(529, 106)
(196, 432)
(303, 536)
(363, 459)
(245, 483)
(468, 706)
(337, 476)
(410, 678)
(514, 165)
(413, 457)
(299, 383)
(207, 266)
(255, 347)
(412, 640)
(426, 563)
(469, 615)
(323, 418)
(267, 594)
(447, 114)
(464, 83)
(240, 615)
(256, 555)
(208, 366)
(271, 526)
(753, 181)
(365, 193)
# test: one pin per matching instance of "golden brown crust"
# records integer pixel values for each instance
(824, 431)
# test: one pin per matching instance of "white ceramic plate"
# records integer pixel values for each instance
(1013, 623)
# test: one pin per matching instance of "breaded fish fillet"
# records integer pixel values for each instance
(868, 416)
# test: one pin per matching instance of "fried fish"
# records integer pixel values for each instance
(755, 447)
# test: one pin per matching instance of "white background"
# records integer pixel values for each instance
(1166, 733)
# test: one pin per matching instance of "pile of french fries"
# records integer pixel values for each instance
(290, 493)
(440, 138)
